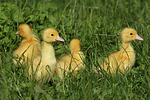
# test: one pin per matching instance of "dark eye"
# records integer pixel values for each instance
(52, 34)
(19, 29)
(131, 33)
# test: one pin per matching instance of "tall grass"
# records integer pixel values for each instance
(97, 23)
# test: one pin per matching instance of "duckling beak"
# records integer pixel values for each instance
(138, 38)
(59, 39)
(17, 33)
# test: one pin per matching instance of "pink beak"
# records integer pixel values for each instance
(17, 33)
(59, 39)
(138, 38)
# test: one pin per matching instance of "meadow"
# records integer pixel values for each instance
(97, 23)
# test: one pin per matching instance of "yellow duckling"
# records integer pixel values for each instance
(71, 62)
(123, 59)
(29, 47)
(45, 65)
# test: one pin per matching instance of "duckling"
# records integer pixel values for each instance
(45, 65)
(29, 47)
(123, 59)
(71, 62)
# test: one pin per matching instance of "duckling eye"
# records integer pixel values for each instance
(131, 33)
(52, 34)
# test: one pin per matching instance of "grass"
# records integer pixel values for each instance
(96, 23)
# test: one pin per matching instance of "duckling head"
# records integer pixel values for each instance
(75, 45)
(51, 35)
(129, 34)
(24, 30)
